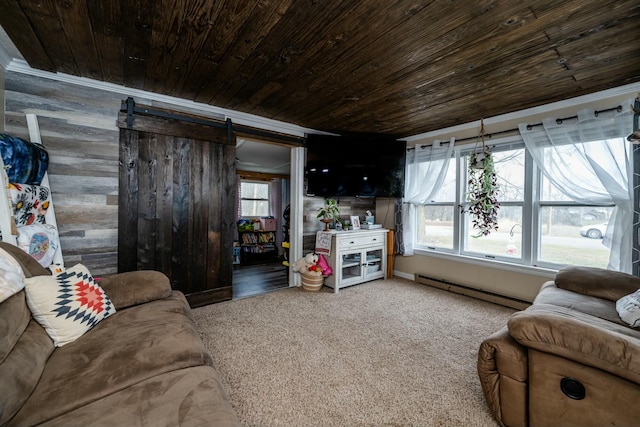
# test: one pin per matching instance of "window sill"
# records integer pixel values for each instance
(546, 273)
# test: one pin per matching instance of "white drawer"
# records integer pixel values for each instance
(349, 242)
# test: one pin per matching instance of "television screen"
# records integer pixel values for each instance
(355, 166)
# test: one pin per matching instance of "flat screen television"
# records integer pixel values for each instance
(355, 166)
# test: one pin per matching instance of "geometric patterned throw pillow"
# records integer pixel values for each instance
(68, 304)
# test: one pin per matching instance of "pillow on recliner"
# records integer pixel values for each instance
(628, 308)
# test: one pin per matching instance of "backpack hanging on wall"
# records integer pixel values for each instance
(27, 161)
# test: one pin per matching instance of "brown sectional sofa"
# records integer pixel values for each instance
(143, 365)
(567, 360)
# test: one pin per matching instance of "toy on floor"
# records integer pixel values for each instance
(324, 265)
(308, 265)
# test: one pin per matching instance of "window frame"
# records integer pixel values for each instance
(242, 199)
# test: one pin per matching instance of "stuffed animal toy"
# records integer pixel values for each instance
(324, 265)
(312, 258)
(314, 270)
(302, 265)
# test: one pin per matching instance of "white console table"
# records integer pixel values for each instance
(357, 257)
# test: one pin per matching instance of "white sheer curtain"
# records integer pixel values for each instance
(589, 161)
(425, 172)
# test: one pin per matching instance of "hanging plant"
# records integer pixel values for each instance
(482, 191)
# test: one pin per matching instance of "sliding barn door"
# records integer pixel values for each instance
(176, 206)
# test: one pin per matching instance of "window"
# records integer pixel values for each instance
(254, 199)
(538, 224)
(506, 241)
(570, 233)
(437, 219)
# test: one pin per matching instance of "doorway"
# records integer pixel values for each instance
(263, 199)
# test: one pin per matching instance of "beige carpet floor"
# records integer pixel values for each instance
(383, 353)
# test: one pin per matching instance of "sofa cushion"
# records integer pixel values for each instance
(131, 346)
(187, 397)
(24, 345)
(597, 282)
(14, 318)
(602, 308)
(136, 287)
(68, 304)
(11, 276)
(24, 350)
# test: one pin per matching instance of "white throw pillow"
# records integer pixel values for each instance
(67, 304)
(628, 308)
(11, 276)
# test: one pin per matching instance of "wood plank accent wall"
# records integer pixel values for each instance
(78, 128)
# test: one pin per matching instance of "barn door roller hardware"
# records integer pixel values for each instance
(129, 106)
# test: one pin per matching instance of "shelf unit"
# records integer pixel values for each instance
(256, 246)
(357, 257)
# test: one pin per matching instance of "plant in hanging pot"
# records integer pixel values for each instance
(329, 212)
(482, 191)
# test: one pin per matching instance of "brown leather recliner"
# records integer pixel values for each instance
(568, 359)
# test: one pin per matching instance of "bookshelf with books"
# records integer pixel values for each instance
(257, 246)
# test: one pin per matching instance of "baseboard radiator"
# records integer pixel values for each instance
(471, 292)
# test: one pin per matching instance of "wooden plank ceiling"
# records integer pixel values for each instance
(398, 67)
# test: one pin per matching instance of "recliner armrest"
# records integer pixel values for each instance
(503, 374)
(597, 282)
(580, 337)
(136, 287)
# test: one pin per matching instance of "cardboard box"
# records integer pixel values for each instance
(268, 224)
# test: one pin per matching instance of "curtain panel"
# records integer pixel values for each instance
(425, 172)
(589, 160)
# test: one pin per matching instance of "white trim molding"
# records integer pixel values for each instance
(523, 114)
(20, 66)
(297, 211)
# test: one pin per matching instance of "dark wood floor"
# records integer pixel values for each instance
(258, 279)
